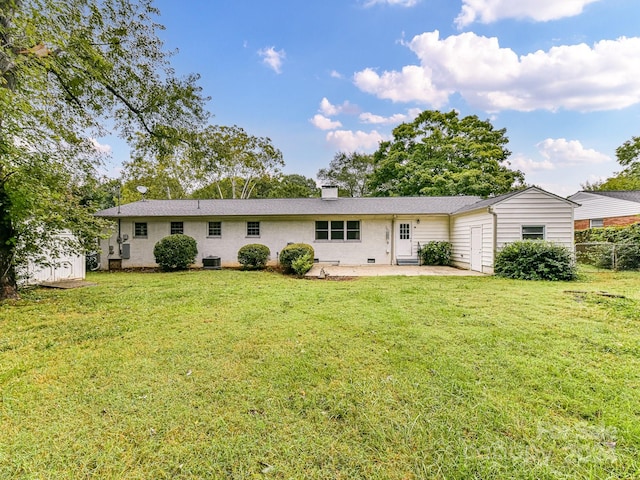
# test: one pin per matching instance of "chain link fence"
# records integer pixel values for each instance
(613, 256)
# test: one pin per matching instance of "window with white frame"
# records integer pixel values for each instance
(533, 232)
(338, 230)
(215, 229)
(596, 223)
(140, 229)
(177, 228)
(253, 229)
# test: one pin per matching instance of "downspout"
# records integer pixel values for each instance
(392, 239)
(495, 235)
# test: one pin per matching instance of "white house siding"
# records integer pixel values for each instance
(461, 226)
(593, 206)
(67, 267)
(533, 207)
(274, 233)
(431, 229)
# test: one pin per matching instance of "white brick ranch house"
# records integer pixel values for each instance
(349, 231)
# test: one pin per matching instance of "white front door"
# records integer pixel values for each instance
(403, 240)
(476, 249)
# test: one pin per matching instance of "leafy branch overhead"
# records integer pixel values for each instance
(71, 71)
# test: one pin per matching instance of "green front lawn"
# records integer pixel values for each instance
(228, 374)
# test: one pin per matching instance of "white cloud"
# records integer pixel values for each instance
(413, 83)
(336, 74)
(574, 77)
(489, 11)
(557, 153)
(350, 141)
(273, 58)
(402, 3)
(324, 123)
(569, 153)
(395, 119)
(330, 110)
(528, 165)
(100, 148)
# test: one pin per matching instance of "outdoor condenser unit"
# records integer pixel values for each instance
(211, 263)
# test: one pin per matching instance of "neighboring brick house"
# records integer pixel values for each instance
(606, 209)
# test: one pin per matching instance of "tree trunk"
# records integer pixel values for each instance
(8, 284)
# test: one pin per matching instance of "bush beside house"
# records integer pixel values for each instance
(293, 252)
(436, 253)
(535, 260)
(175, 252)
(253, 256)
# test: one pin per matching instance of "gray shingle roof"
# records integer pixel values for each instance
(293, 206)
(629, 195)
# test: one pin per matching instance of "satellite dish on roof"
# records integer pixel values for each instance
(142, 189)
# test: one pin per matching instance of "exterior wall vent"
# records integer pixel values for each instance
(329, 192)
(371, 260)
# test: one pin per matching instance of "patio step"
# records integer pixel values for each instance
(407, 261)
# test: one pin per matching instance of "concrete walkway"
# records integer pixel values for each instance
(386, 270)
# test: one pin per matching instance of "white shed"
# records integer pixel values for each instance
(480, 230)
(67, 267)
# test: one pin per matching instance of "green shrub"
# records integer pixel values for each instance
(292, 252)
(435, 253)
(175, 252)
(302, 264)
(535, 260)
(612, 247)
(254, 256)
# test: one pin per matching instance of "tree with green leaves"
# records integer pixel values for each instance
(70, 71)
(229, 154)
(287, 186)
(442, 154)
(164, 179)
(350, 172)
(628, 156)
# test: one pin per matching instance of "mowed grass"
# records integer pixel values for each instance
(228, 374)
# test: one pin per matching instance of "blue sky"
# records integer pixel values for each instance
(318, 77)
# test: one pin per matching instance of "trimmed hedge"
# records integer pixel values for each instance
(435, 253)
(535, 260)
(292, 252)
(175, 252)
(254, 256)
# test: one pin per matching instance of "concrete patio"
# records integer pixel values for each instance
(386, 270)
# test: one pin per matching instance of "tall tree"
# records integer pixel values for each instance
(164, 177)
(278, 186)
(67, 70)
(442, 154)
(287, 186)
(628, 155)
(230, 154)
(350, 172)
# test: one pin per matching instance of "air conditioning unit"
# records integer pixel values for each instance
(211, 263)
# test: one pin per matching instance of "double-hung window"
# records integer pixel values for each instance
(338, 230)
(177, 228)
(253, 229)
(533, 232)
(215, 229)
(140, 229)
